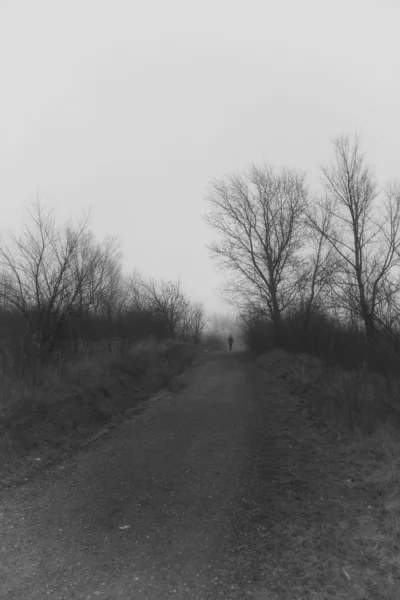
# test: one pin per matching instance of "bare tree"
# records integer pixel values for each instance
(138, 299)
(321, 267)
(365, 235)
(104, 290)
(43, 280)
(167, 300)
(192, 322)
(260, 220)
(387, 292)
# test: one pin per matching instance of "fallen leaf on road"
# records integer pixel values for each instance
(346, 574)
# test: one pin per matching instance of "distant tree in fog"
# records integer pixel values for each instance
(221, 324)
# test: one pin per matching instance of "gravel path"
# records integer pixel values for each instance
(156, 508)
(224, 490)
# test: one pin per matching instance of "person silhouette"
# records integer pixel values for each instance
(230, 342)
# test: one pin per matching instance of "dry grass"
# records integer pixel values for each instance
(354, 400)
(56, 408)
(42, 384)
(356, 416)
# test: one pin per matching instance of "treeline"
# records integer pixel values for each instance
(310, 272)
(61, 289)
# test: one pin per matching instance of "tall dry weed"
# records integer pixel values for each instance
(365, 404)
(50, 381)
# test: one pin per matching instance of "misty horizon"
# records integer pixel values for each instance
(133, 111)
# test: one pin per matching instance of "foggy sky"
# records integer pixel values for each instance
(132, 107)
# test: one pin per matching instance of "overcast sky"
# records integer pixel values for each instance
(131, 107)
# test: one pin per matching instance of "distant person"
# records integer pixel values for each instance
(230, 342)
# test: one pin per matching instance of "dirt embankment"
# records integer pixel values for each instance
(30, 439)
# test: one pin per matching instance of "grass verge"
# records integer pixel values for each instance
(337, 489)
(71, 400)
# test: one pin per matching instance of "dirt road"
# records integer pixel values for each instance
(152, 510)
(215, 491)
